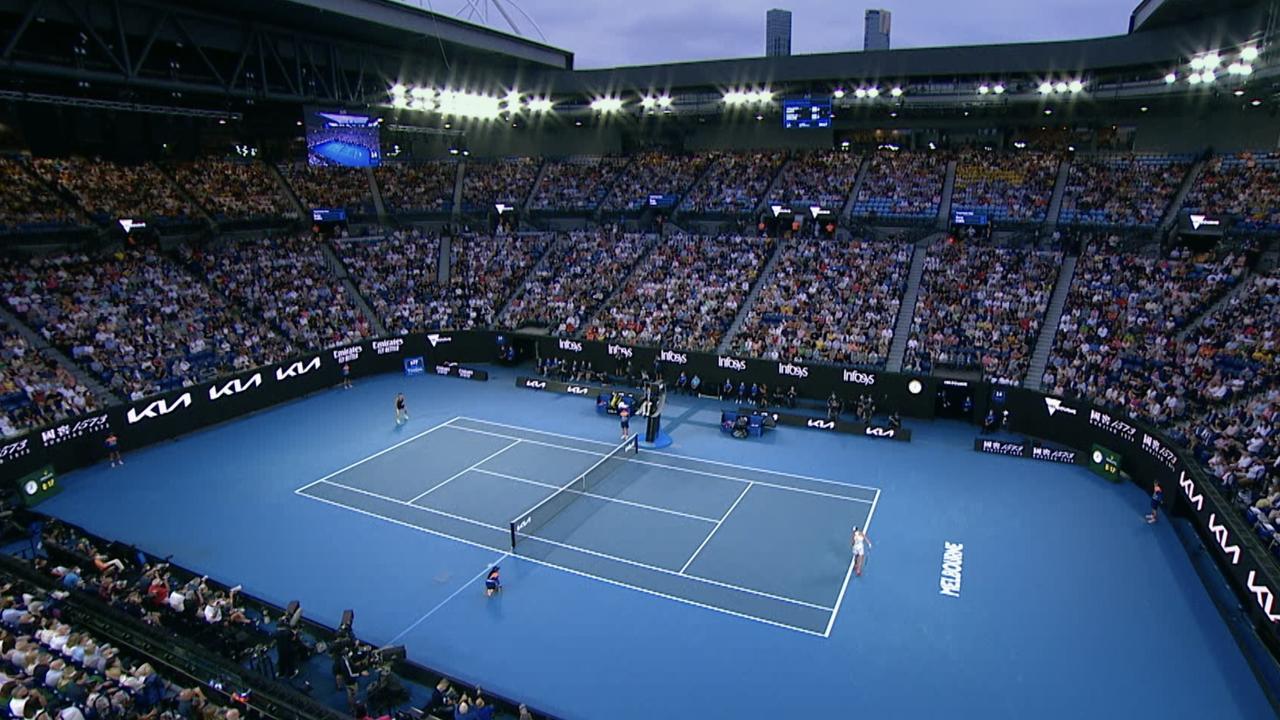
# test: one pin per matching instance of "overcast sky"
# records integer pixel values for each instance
(604, 33)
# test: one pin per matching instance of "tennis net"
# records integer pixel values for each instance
(537, 516)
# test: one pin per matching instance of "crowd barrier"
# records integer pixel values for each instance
(1148, 455)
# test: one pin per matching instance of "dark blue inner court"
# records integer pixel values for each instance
(718, 568)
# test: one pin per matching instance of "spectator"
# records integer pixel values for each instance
(902, 184)
(734, 184)
(416, 187)
(576, 184)
(1008, 187)
(1121, 190)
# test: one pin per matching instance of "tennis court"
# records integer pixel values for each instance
(758, 544)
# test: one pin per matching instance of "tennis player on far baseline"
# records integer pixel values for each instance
(860, 543)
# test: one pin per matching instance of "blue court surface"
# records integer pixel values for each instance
(343, 153)
(710, 579)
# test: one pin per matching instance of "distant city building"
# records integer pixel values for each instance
(876, 36)
(777, 33)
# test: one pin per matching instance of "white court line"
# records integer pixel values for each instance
(445, 601)
(380, 452)
(457, 475)
(571, 571)
(606, 498)
(672, 455)
(866, 527)
(707, 539)
(584, 551)
(677, 468)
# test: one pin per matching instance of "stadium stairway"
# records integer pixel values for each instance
(744, 309)
(907, 310)
(66, 197)
(340, 272)
(948, 186)
(597, 212)
(675, 214)
(378, 206)
(1055, 200)
(457, 189)
(1175, 205)
(863, 167)
(773, 186)
(1220, 303)
(188, 196)
(1049, 328)
(533, 189)
(654, 240)
(42, 346)
(289, 194)
(533, 272)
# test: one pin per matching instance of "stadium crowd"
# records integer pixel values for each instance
(580, 272)
(1244, 185)
(685, 294)
(288, 282)
(902, 184)
(109, 191)
(234, 190)
(136, 319)
(824, 178)
(26, 203)
(828, 301)
(34, 389)
(503, 181)
(416, 187)
(980, 307)
(576, 184)
(394, 275)
(735, 182)
(655, 173)
(1009, 187)
(322, 186)
(1121, 189)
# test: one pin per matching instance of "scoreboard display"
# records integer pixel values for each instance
(805, 113)
(38, 485)
(1105, 462)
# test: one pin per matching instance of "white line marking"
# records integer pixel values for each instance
(674, 467)
(571, 571)
(707, 539)
(380, 452)
(445, 601)
(575, 548)
(866, 527)
(606, 498)
(457, 475)
(674, 455)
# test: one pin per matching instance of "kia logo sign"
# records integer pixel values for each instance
(858, 377)
(821, 424)
(535, 384)
(235, 386)
(729, 363)
(158, 408)
(297, 368)
(878, 432)
(1263, 595)
(1054, 406)
(621, 351)
(799, 371)
(577, 390)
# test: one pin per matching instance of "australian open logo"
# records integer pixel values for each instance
(620, 351)
(798, 371)
(673, 357)
(858, 377)
(729, 363)
(571, 345)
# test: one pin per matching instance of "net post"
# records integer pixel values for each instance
(513, 536)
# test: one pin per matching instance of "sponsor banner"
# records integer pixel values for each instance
(858, 377)
(297, 369)
(840, 426)
(236, 386)
(16, 450)
(572, 346)
(438, 339)
(387, 347)
(1116, 425)
(347, 354)
(458, 371)
(556, 386)
(415, 365)
(72, 429)
(952, 569)
(1027, 449)
(621, 352)
(793, 370)
(673, 357)
(734, 365)
(158, 408)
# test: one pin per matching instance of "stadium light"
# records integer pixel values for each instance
(1246, 70)
(1060, 86)
(398, 89)
(896, 92)
(873, 92)
(1194, 78)
(1171, 78)
(466, 104)
(860, 93)
(540, 105)
(1255, 102)
(983, 89)
(839, 93)
(512, 99)
(664, 101)
(998, 89)
(735, 97)
(1238, 92)
(761, 96)
(1045, 88)
(1212, 60)
(1075, 86)
(1197, 63)
(1208, 76)
(606, 104)
(648, 102)
(1249, 54)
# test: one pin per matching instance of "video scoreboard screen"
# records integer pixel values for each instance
(806, 113)
(336, 137)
